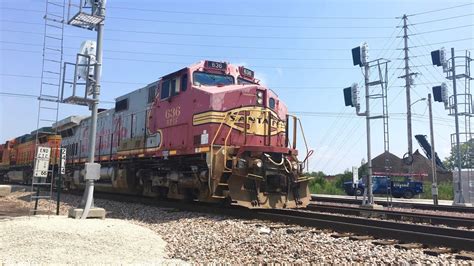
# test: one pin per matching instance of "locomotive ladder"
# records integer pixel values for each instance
(49, 99)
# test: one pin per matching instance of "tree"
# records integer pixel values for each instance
(467, 153)
(363, 169)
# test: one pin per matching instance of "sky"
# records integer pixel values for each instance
(300, 49)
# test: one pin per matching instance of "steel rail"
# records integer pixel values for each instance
(412, 205)
(433, 219)
(429, 235)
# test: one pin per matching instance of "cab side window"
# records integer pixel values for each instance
(184, 82)
(165, 89)
(172, 87)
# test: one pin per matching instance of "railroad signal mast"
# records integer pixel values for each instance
(360, 56)
(89, 15)
(459, 105)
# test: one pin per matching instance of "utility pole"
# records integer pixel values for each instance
(407, 85)
(90, 15)
(370, 196)
(460, 200)
(408, 82)
(434, 185)
(94, 106)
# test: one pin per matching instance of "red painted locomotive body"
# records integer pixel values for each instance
(221, 111)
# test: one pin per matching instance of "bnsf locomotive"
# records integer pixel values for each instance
(207, 132)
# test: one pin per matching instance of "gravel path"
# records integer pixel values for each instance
(204, 238)
(57, 239)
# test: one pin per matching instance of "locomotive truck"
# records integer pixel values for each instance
(207, 132)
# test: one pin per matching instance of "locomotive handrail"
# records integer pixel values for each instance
(212, 152)
(227, 138)
(308, 152)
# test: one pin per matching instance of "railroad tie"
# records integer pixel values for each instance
(361, 238)
(465, 255)
(409, 246)
(341, 235)
(388, 242)
(437, 251)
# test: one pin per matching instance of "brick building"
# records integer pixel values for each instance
(388, 162)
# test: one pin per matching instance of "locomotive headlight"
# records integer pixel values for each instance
(259, 97)
(294, 165)
(258, 163)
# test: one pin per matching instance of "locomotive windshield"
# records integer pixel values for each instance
(242, 81)
(209, 79)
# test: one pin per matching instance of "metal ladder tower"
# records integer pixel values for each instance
(49, 99)
(461, 106)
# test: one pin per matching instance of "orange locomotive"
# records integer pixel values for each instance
(17, 155)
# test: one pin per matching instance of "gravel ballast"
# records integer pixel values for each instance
(205, 238)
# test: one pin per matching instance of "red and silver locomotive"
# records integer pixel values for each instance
(207, 132)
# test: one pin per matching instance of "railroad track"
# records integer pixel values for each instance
(458, 239)
(433, 236)
(420, 206)
(432, 219)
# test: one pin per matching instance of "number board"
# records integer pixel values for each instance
(216, 65)
(246, 72)
(63, 161)
(42, 162)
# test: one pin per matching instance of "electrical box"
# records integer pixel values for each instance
(92, 171)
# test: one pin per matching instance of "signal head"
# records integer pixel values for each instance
(360, 54)
(440, 94)
(351, 95)
(438, 57)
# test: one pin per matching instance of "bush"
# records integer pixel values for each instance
(320, 185)
(445, 190)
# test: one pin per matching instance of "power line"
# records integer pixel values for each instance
(441, 19)
(185, 63)
(248, 25)
(194, 23)
(197, 45)
(111, 7)
(184, 55)
(429, 44)
(246, 15)
(438, 10)
(445, 29)
(37, 77)
(24, 95)
(231, 36)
